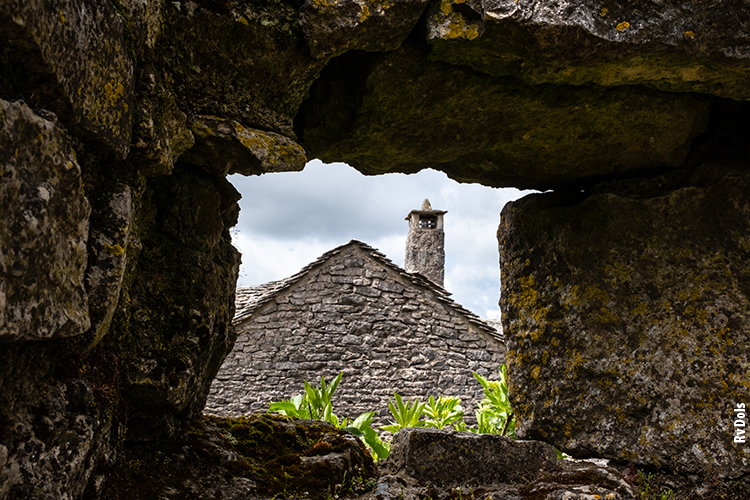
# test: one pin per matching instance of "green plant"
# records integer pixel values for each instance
(644, 491)
(494, 409)
(292, 408)
(319, 399)
(645, 483)
(486, 423)
(445, 411)
(316, 403)
(362, 428)
(405, 415)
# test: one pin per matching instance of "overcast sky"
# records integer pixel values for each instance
(288, 220)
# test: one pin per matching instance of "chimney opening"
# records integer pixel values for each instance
(427, 222)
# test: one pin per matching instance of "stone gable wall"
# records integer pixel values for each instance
(357, 316)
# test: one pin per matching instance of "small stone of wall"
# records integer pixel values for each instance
(355, 314)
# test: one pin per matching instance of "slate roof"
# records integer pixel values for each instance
(248, 299)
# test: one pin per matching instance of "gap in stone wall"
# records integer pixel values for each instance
(289, 219)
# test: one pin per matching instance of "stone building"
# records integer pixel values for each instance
(353, 310)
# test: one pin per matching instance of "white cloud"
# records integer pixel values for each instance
(267, 259)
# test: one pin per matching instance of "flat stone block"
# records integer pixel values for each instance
(447, 458)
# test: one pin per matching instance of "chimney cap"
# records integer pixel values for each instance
(426, 210)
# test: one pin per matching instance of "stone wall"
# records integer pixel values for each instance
(355, 314)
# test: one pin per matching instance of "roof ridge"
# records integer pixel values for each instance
(265, 292)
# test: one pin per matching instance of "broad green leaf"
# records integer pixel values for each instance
(381, 449)
(363, 421)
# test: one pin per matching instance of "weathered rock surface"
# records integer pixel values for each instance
(228, 147)
(627, 321)
(237, 60)
(427, 455)
(72, 59)
(43, 230)
(180, 303)
(699, 46)
(496, 130)
(55, 423)
(260, 456)
(333, 27)
(106, 267)
(438, 464)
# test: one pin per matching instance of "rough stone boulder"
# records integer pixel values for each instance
(627, 321)
(139, 108)
(44, 229)
(71, 59)
(441, 464)
(333, 27)
(258, 456)
(228, 147)
(698, 46)
(53, 438)
(180, 302)
(244, 61)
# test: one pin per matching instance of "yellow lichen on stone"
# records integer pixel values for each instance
(595, 293)
(113, 93)
(113, 249)
(364, 13)
(326, 4)
(456, 27)
(623, 26)
(453, 25)
(606, 316)
(690, 35)
(568, 430)
(619, 270)
(603, 12)
(640, 309)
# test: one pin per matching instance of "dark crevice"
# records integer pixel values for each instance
(334, 100)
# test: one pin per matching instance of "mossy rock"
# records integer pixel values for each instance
(258, 456)
(409, 114)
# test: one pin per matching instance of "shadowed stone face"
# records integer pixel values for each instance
(417, 114)
(44, 229)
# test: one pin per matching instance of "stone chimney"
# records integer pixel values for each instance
(425, 243)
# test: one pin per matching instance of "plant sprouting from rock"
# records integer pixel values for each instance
(407, 414)
(316, 404)
(495, 415)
